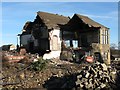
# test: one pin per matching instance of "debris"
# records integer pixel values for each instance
(22, 51)
(94, 76)
(22, 75)
(104, 67)
(87, 75)
(59, 74)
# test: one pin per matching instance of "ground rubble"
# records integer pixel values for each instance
(59, 74)
(16, 75)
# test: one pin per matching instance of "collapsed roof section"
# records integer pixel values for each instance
(89, 21)
(27, 28)
(82, 23)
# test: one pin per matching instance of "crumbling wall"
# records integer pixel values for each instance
(55, 44)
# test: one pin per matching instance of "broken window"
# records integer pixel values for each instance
(74, 43)
(105, 37)
(67, 43)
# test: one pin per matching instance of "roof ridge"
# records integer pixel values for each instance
(52, 14)
(81, 15)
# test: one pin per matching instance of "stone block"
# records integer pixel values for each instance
(102, 85)
(87, 74)
(104, 67)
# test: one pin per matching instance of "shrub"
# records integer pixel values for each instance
(39, 65)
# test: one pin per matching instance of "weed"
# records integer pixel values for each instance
(39, 65)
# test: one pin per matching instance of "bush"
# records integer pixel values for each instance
(39, 65)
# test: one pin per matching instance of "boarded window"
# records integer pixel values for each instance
(55, 43)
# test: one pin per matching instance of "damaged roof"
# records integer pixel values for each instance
(89, 21)
(52, 20)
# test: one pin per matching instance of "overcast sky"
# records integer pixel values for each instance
(15, 14)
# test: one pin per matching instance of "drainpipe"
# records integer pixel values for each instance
(18, 39)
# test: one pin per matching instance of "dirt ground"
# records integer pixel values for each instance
(18, 75)
(56, 74)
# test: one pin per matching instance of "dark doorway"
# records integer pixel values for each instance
(31, 47)
(84, 41)
(98, 57)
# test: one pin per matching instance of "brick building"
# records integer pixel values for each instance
(51, 35)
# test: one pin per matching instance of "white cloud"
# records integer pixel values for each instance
(110, 15)
(97, 16)
(114, 13)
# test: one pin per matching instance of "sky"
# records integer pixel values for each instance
(15, 14)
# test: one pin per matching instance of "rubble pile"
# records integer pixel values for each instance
(96, 76)
(116, 64)
(59, 74)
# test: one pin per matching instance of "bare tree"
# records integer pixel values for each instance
(114, 49)
(119, 45)
(113, 46)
